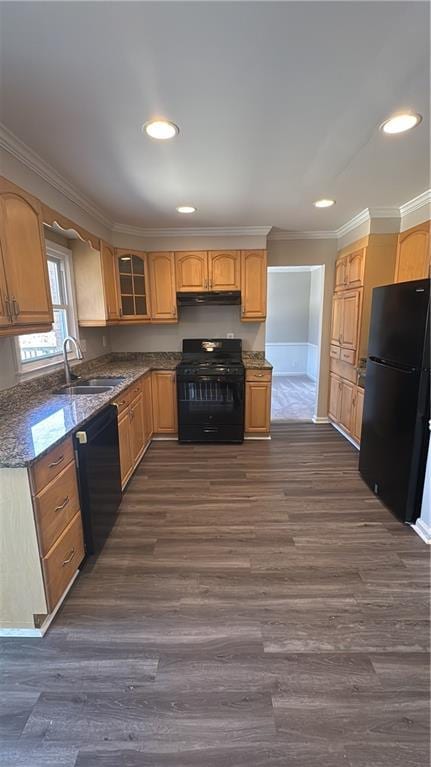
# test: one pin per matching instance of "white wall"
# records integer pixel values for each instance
(288, 307)
(195, 322)
(423, 524)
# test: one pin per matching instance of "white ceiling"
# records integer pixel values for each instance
(278, 104)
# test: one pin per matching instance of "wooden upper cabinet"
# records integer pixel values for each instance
(5, 314)
(133, 285)
(253, 284)
(164, 397)
(355, 269)
(191, 271)
(109, 281)
(340, 274)
(224, 270)
(350, 319)
(413, 254)
(162, 287)
(24, 259)
(337, 320)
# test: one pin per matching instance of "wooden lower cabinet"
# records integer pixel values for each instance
(257, 407)
(346, 402)
(164, 395)
(334, 397)
(346, 405)
(136, 414)
(358, 409)
(147, 401)
(126, 461)
(62, 560)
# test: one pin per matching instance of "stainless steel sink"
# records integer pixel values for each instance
(87, 389)
(102, 381)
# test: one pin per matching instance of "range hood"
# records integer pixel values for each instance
(214, 298)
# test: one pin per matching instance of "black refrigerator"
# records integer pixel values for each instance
(395, 432)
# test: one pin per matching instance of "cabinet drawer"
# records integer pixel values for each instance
(48, 467)
(62, 561)
(348, 355)
(135, 389)
(55, 506)
(334, 352)
(123, 400)
(258, 375)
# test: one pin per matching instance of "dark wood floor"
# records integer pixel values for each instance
(255, 606)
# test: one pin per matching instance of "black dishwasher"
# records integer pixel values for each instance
(98, 459)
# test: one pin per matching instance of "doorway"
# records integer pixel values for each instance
(293, 338)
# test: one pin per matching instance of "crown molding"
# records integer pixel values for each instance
(384, 212)
(324, 234)
(15, 147)
(349, 226)
(214, 231)
(421, 201)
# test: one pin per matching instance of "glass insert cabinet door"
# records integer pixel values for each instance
(133, 284)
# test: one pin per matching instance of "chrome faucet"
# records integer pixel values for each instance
(69, 376)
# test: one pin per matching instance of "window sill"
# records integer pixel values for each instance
(40, 370)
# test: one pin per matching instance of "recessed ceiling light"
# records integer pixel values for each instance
(161, 129)
(186, 209)
(324, 203)
(401, 122)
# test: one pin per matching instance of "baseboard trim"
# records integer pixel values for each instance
(258, 436)
(290, 373)
(165, 438)
(320, 419)
(345, 434)
(423, 530)
(40, 632)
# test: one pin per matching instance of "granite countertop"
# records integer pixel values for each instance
(255, 360)
(33, 419)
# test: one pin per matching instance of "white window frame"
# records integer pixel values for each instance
(29, 369)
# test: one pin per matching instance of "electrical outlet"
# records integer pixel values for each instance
(104, 341)
(83, 344)
(230, 335)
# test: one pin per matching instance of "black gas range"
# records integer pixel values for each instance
(210, 390)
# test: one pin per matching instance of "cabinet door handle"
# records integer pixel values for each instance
(8, 308)
(62, 505)
(56, 463)
(70, 557)
(174, 311)
(15, 307)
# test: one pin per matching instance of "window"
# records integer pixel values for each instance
(37, 350)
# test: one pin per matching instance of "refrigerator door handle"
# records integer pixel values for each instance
(394, 365)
